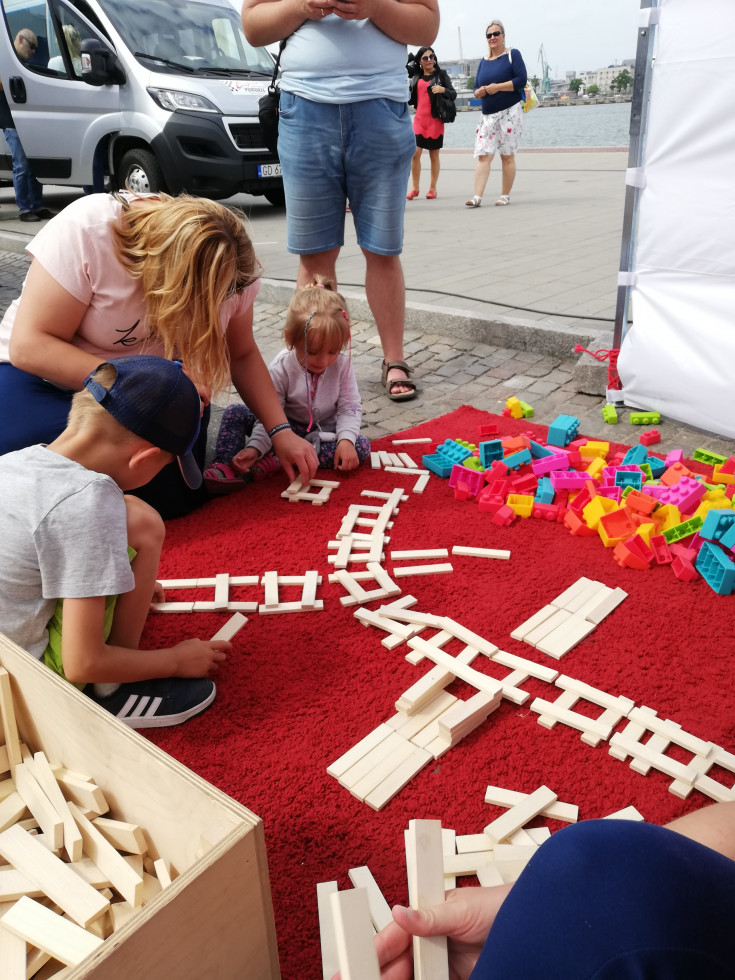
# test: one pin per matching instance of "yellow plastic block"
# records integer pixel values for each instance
(706, 505)
(596, 467)
(593, 448)
(720, 477)
(646, 530)
(596, 508)
(668, 515)
(516, 410)
(520, 503)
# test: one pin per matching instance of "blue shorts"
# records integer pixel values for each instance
(361, 152)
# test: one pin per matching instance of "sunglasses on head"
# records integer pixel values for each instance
(493, 34)
(427, 57)
(31, 44)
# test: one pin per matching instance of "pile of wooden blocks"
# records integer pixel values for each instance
(73, 876)
(270, 582)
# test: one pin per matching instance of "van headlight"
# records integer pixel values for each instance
(181, 101)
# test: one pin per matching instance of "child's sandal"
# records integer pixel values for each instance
(221, 478)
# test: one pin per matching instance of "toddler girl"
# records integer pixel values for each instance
(316, 385)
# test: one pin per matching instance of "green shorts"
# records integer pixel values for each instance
(52, 653)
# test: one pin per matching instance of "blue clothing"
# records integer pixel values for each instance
(503, 69)
(28, 191)
(336, 60)
(616, 900)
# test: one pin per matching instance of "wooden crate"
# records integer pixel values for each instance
(216, 919)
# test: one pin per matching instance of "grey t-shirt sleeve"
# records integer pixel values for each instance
(82, 544)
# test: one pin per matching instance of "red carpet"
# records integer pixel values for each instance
(299, 690)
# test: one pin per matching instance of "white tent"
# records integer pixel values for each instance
(678, 356)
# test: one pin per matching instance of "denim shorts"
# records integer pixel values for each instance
(359, 152)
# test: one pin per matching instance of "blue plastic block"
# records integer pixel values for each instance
(489, 451)
(453, 451)
(716, 568)
(545, 493)
(636, 454)
(563, 430)
(627, 478)
(538, 451)
(716, 523)
(658, 466)
(438, 464)
(516, 460)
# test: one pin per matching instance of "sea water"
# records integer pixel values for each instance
(554, 126)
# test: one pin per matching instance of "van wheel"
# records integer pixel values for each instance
(140, 171)
(276, 197)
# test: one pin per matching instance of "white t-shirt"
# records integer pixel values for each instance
(76, 249)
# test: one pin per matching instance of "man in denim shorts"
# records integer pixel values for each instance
(345, 134)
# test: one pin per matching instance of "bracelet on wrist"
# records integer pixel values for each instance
(278, 428)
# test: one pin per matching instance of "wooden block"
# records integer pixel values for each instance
(14, 884)
(308, 593)
(540, 671)
(572, 592)
(538, 835)
(460, 549)
(163, 872)
(55, 878)
(421, 484)
(568, 812)
(413, 616)
(406, 471)
(467, 636)
(122, 835)
(597, 600)
(408, 442)
(242, 607)
(10, 728)
(12, 809)
(86, 794)
(605, 606)
(353, 755)
(7, 786)
(330, 958)
(562, 639)
(410, 725)
(627, 813)
(12, 955)
(39, 926)
(559, 617)
(520, 814)
(353, 931)
(221, 590)
(45, 777)
(489, 876)
(233, 625)
(121, 875)
(407, 461)
(426, 553)
(374, 757)
(380, 493)
(422, 570)
(375, 461)
(380, 912)
(530, 624)
(270, 582)
(660, 761)
(471, 843)
(383, 579)
(180, 583)
(481, 681)
(551, 712)
(464, 716)
(449, 837)
(593, 590)
(425, 874)
(172, 607)
(467, 862)
(290, 607)
(385, 791)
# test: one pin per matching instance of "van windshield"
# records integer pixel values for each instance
(168, 35)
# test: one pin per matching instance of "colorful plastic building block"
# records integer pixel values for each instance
(544, 491)
(684, 570)
(514, 407)
(465, 482)
(488, 430)
(624, 478)
(633, 553)
(527, 410)
(517, 460)
(716, 524)
(716, 568)
(489, 451)
(680, 531)
(650, 438)
(562, 430)
(636, 454)
(609, 414)
(706, 456)
(504, 516)
(644, 418)
(661, 551)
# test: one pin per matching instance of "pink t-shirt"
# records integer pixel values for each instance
(76, 249)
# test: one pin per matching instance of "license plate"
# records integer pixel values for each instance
(269, 170)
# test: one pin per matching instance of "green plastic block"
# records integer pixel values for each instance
(646, 467)
(705, 456)
(473, 463)
(683, 530)
(644, 418)
(609, 414)
(527, 410)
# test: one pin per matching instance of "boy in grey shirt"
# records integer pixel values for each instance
(79, 557)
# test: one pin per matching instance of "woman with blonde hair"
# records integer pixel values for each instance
(124, 274)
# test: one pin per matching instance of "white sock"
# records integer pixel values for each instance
(103, 690)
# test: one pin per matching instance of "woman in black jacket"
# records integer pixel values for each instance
(430, 86)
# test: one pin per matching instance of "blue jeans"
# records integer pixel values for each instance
(360, 151)
(28, 191)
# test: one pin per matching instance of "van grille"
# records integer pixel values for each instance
(247, 136)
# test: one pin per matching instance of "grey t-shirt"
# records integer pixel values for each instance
(63, 535)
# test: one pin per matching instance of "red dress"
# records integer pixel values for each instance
(424, 124)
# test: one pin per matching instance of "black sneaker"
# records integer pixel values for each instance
(45, 214)
(158, 703)
(29, 216)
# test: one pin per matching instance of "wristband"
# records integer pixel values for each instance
(278, 428)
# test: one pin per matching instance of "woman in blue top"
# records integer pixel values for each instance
(500, 81)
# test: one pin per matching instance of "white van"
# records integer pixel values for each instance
(164, 91)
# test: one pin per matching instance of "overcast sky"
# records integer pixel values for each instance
(577, 35)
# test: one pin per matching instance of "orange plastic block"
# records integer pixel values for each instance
(616, 527)
(633, 553)
(520, 503)
(674, 473)
(596, 509)
(577, 526)
(514, 444)
(640, 502)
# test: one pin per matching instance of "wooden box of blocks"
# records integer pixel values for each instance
(215, 918)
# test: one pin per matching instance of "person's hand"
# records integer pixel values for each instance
(354, 9)
(436, 89)
(465, 918)
(345, 456)
(159, 595)
(316, 9)
(243, 461)
(199, 658)
(295, 454)
(491, 89)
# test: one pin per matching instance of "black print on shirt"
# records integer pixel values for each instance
(127, 340)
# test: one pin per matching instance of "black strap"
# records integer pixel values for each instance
(277, 65)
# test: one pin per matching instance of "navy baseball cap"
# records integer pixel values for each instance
(155, 400)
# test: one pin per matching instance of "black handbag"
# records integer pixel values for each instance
(268, 107)
(445, 108)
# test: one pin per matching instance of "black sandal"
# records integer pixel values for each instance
(406, 382)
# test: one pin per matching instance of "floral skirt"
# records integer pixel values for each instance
(500, 132)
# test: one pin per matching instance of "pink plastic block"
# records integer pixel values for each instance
(525, 484)
(546, 464)
(489, 503)
(465, 482)
(497, 471)
(661, 550)
(548, 512)
(488, 430)
(675, 456)
(504, 516)
(614, 493)
(679, 550)
(728, 466)
(695, 543)
(683, 569)
(630, 554)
